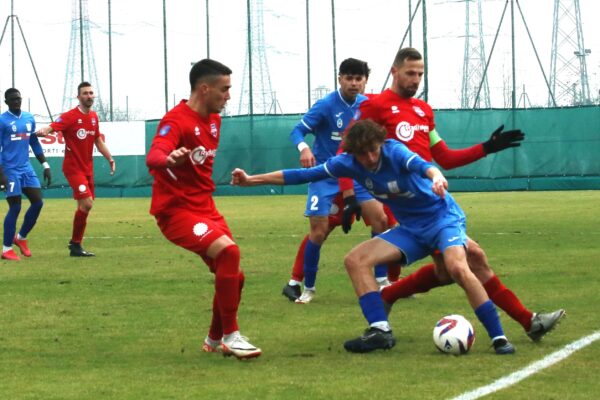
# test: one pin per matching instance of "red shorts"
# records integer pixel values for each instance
(82, 185)
(192, 231)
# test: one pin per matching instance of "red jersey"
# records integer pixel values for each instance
(407, 120)
(80, 132)
(187, 186)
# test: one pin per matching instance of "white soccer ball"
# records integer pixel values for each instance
(453, 334)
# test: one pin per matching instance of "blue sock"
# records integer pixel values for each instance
(312, 252)
(380, 269)
(489, 318)
(10, 223)
(31, 216)
(372, 307)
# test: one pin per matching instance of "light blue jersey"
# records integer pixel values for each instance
(326, 120)
(16, 135)
(427, 221)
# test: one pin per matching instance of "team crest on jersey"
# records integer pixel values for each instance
(419, 112)
(28, 126)
(14, 128)
(81, 133)
(197, 131)
(164, 130)
(200, 229)
(199, 155)
(395, 110)
(357, 115)
(213, 129)
(369, 183)
(94, 121)
(339, 123)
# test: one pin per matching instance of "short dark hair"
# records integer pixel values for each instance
(363, 136)
(82, 85)
(353, 66)
(207, 68)
(10, 91)
(407, 53)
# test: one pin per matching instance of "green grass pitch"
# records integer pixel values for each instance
(129, 323)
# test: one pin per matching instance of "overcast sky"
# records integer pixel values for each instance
(368, 30)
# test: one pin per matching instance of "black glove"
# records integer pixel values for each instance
(503, 140)
(47, 176)
(351, 207)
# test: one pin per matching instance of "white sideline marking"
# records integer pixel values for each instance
(531, 369)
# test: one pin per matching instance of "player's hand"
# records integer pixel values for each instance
(47, 176)
(177, 157)
(113, 166)
(351, 208)
(239, 177)
(43, 132)
(439, 185)
(3, 182)
(307, 159)
(503, 140)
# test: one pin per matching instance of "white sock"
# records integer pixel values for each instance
(383, 325)
(20, 237)
(6, 248)
(309, 288)
(294, 282)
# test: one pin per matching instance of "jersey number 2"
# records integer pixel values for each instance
(314, 200)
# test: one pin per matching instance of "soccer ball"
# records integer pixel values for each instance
(453, 334)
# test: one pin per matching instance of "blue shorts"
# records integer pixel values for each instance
(321, 194)
(17, 180)
(416, 242)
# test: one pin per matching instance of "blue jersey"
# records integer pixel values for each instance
(16, 135)
(327, 119)
(399, 181)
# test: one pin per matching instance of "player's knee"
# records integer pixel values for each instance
(14, 209)
(37, 205)
(227, 261)
(476, 257)
(353, 261)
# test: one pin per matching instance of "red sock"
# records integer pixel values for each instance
(508, 301)
(79, 223)
(298, 269)
(216, 326)
(227, 287)
(420, 281)
(394, 271)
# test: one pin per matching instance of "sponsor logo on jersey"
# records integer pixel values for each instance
(405, 131)
(164, 130)
(336, 136)
(418, 110)
(81, 133)
(213, 129)
(395, 110)
(200, 229)
(199, 155)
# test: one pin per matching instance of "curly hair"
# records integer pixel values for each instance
(363, 136)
